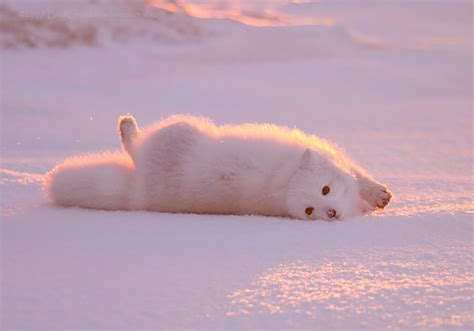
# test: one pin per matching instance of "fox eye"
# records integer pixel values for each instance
(326, 190)
(309, 210)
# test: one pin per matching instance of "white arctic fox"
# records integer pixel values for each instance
(185, 164)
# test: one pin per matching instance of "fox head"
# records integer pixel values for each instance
(319, 190)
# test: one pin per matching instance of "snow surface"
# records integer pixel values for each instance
(390, 82)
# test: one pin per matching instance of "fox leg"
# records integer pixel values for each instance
(129, 131)
(376, 194)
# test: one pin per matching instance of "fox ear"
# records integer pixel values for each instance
(305, 162)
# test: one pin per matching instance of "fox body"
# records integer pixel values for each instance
(185, 164)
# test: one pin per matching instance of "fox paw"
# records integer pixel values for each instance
(381, 197)
(375, 196)
(128, 127)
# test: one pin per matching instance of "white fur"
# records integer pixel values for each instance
(92, 181)
(129, 131)
(186, 164)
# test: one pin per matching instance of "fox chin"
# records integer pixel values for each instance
(186, 164)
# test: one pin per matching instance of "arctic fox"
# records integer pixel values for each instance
(186, 164)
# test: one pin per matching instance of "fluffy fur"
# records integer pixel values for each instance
(185, 164)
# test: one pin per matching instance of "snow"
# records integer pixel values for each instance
(393, 88)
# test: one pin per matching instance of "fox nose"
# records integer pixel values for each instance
(332, 213)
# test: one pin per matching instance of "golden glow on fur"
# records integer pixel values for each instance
(261, 131)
